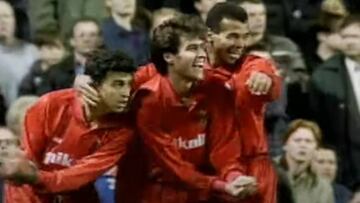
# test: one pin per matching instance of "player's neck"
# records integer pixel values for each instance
(296, 168)
(94, 113)
(181, 85)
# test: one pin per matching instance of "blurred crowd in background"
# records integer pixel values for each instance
(315, 44)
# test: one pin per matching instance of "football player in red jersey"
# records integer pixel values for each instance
(67, 143)
(254, 81)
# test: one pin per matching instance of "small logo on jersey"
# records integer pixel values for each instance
(197, 142)
(57, 140)
(59, 158)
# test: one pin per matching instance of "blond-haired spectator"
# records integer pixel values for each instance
(16, 113)
(300, 143)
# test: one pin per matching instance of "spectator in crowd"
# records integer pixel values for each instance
(204, 6)
(7, 140)
(127, 29)
(328, 38)
(161, 15)
(335, 101)
(62, 14)
(16, 113)
(300, 143)
(22, 18)
(301, 16)
(16, 56)
(324, 164)
(85, 38)
(52, 51)
(10, 135)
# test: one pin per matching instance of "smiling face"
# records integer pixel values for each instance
(230, 43)
(189, 60)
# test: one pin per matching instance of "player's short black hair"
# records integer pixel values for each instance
(167, 37)
(224, 10)
(101, 62)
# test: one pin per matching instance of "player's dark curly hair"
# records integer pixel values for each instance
(101, 62)
(167, 37)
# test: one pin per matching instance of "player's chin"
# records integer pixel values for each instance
(197, 73)
(121, 109)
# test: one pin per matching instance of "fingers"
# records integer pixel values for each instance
(242, 187)
(89, 100)
(244, 181)
(259, 83)
(89, 94)
(233, 190)
(81, 80)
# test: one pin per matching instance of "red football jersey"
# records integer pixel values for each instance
(250, 111)
(69, 151)
(182, 137)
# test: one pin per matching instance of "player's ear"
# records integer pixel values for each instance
(169, 58)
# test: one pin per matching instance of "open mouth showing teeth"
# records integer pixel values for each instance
(199, 64)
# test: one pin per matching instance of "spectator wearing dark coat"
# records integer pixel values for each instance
(128, 30)
(86, 38)
(335, 99)
(52, 52)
